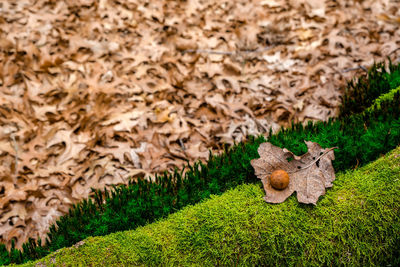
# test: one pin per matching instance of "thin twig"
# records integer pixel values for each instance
(207, 51)
(394, 51)
(181, 144)
(198, 51)
(16, 156)
(356, 68)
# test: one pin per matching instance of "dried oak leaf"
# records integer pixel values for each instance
(309, 174)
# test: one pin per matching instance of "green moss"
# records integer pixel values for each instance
(361, 92)
(356, 223)
(384, 97)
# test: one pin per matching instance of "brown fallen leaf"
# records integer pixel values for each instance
(309, 174)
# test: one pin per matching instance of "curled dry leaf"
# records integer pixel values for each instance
(309, 174)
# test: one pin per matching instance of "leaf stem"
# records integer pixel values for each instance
(312, 162)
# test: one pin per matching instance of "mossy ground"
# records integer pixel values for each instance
(356, 223)
(389, 95)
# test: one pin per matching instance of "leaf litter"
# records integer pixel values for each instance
(95, 92)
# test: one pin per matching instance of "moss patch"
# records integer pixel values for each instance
(385, 97)
(356, 223)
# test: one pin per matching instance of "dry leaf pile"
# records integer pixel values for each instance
(309, 174)
(92, 92)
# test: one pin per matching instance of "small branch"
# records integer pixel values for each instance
(356, 68)
(181, 144)
(364, 69)
(16, 157)
(199, 51)
(394, 51)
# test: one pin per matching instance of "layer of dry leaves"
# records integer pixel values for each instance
(93, 92)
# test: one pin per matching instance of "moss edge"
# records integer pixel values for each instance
(389, 95)
(356, 223)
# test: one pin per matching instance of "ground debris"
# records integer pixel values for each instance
(94, 92)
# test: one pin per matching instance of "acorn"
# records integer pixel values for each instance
(279, 179)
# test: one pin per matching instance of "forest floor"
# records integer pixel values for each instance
(95, 92)
(239, 222)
